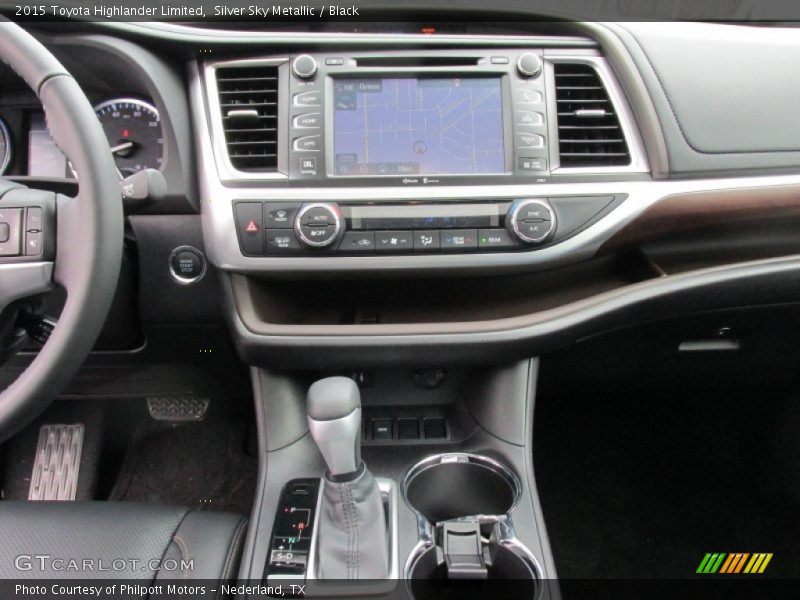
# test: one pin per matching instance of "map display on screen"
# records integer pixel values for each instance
(411, 126)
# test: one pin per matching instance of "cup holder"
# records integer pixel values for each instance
(467, 547)
(451, 486)
(510, 576)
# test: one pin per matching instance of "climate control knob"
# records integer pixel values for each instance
(531, 220)
(318, 225)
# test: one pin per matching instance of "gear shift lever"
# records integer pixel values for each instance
(353, 538)
(334, 419)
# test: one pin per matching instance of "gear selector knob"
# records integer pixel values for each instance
(333, 408)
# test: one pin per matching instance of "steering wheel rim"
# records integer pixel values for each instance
(89, 231)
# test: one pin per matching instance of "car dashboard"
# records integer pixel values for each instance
(500, 189)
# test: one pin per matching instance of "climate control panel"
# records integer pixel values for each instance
(360, 229)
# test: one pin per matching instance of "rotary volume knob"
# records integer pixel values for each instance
(531, 220)
(304, 66)
(529, 65)
(318, 225)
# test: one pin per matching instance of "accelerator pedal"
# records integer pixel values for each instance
(57, 463)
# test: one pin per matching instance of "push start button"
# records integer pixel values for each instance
(187, 265)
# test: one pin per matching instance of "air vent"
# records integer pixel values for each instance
(589, 133)
(248, 99)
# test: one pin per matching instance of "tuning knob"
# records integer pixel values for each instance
(318, 225)
(304, 66)
(531, 220)
(529, 65)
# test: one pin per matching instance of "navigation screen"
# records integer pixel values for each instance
(410, 126)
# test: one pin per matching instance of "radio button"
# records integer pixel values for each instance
(358, 242)
(459, 239)
(496, 238)
(394, 241)
(499, 60)
(282, 241)
(280, 215)
(527, 140)
(313, 98)
(309, 143)
(426, 241)
(532, 164)
(527, 97)
(308, 121)
(527, 117)
(308, 165)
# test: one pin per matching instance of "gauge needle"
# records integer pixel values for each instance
(121, 147)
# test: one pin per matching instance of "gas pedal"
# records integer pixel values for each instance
(178, 408)
(57, 463)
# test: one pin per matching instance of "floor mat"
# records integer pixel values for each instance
(643, 485)
(198, 464)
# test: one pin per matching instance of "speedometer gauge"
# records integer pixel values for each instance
(133, 129)
(5, 147)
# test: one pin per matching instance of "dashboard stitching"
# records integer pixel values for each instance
(675, 116)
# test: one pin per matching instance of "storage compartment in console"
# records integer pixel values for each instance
(288, 306)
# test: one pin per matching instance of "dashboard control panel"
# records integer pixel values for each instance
(352, 228)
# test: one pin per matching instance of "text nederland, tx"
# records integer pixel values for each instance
(157, 590)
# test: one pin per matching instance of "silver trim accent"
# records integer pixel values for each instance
(187, 280)
(4, 132)
(23, 279)
(514, 213)
(242, 113)
(639, 163)
(339, 442)
(337, 225)
(208, 111)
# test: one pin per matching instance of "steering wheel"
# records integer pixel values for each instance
(73, 242)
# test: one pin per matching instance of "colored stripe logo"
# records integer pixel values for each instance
(734, 563)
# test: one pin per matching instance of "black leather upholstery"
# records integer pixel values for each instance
(122, 540)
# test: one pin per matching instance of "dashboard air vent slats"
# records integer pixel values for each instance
(589, 132)
(248, 100)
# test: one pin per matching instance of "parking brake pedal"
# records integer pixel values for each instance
(178, 408)
(57, 463)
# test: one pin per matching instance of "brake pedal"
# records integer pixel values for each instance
(57, 463)
(178, 408)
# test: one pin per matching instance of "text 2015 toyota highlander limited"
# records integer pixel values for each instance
(420, 308)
